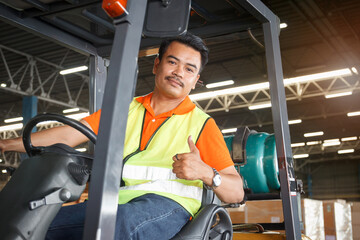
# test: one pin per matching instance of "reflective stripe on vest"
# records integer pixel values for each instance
(172, 187)
(150, 170)
(147, 173)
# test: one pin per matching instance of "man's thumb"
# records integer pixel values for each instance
(192, 146)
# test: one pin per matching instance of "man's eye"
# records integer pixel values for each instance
(190, 70)
(171, 62)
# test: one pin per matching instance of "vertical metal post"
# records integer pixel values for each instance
(281, 128)
(309, 183)
(107, 165)
(29, 108)
(359, 173)
(98, 74)
(279, 113)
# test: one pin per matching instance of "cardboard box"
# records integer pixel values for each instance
(337, 220)
(355, 213)
(271, 211)
(237, 215)
(356, 232)
(355, 206)
(313, 218)
(355, 219)
(266, 211)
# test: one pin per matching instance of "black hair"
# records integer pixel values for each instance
(189, 40)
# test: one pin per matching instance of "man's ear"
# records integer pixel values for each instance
(197, 79)
(156, 65)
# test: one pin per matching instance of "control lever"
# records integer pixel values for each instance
(59, 196)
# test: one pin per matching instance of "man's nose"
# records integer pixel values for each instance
(178, 71)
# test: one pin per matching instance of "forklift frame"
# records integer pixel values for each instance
(119, 89)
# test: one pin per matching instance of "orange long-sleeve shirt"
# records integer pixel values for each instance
(211, 144)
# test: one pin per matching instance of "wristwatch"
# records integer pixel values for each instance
(216, 181)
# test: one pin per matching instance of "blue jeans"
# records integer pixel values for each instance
(147, 217)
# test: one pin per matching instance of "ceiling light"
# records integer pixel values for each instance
(318, 76)
(295, 121)
(46, 123)
(344, 151)
(3, 85)
(71, 110)
(328, 144)
(313, 134)
(1, 160)
(265, 85)
(4, 171)
(73, 70)
(10, 120)
(220, 84)
(354, 70)
(202, 96)
(301, 156)
(283, 25)
(339, 94)
(313, 143)
(331, 140)
(235, 90)
(81, 149)
(352, 114)
(348, 139)
(298, 144)
(78, 116)
(259, 106)
(230, 130)
(17, 126)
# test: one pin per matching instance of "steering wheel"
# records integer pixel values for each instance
(31, 150)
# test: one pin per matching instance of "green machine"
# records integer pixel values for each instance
(254, 154)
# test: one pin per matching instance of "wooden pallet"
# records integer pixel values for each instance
(258, 236)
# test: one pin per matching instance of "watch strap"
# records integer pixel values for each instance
(212, 187)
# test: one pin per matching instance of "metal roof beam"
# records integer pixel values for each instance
(98, 20)
(202, 12)
(46, 31)
(60, 6)
(16, 86)
(76, 30)
(39, 5)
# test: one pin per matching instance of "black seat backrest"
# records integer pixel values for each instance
(209, 197)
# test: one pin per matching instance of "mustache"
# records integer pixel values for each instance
(176, 79)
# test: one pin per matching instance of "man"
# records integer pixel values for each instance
(171, 149)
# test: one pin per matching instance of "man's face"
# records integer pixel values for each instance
(178, 71)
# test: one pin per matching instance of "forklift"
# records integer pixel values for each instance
(131, 20)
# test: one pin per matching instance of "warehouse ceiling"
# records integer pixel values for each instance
(321, 36)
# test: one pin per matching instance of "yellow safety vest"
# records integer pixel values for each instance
(150, 170)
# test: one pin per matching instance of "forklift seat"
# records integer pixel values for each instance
(211, 222)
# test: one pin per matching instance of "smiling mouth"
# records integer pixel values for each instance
(176, 80)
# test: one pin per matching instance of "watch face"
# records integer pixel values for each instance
(217, 180)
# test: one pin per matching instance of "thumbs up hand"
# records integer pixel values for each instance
(189, 165)
(192, 146)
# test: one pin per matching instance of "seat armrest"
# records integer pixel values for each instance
(212, 221)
